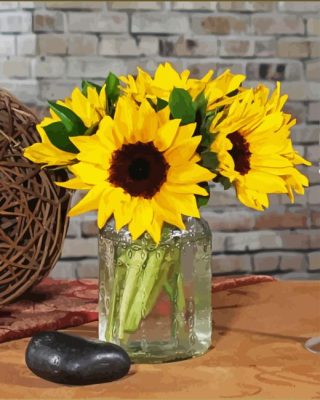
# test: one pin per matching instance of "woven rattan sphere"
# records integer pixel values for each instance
(33, 210)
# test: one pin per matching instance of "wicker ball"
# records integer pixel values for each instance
(33, 210)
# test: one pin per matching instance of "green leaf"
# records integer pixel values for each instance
(112, 89)
(181, 106)
(209, 160)
(203, 200)
(200, 104)
(92, 129)
(161, 104)
(207, 139)
(225, 182)
(71, 121)
(86, 84)
(59, 137)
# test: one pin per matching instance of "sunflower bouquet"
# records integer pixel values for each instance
(148, 149)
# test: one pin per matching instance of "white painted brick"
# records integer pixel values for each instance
(266, 262)
(113, 45)
(135, 5)
(292, 261)
(16, 67)
(313, 194)
(233, 220)
(150, 22)
(218, 242)
(98, 22)
(8, 5)
(148, 45)
(25, 90)
(299, 6)
(49, 21)
(82, 45)
(88, 269)
(246, 6)
(27, 44)
(15, 21)
(268, 24)
(64, 270)
(194, 5)
(52, 43)
(236, 48)
(217, 24)
(189, 46)
(31, 5)
(74, 228)
(75, 5)
(48, 67)
(302, 91)
(305, 134)
(79, 248)
(7, 45)
(95, 67)
(54, 90)
(224, 264)
(253, 241)
(314, 260)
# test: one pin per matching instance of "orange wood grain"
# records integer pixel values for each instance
(257, 353)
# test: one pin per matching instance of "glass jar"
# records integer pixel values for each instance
(155, 301)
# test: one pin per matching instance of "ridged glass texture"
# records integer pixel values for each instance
(155, 301)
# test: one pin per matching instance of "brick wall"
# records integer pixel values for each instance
(47, 47)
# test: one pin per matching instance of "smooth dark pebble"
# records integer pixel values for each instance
(73, 360)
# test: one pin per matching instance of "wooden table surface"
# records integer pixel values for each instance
(257, 353)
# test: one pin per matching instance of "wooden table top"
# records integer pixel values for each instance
(257, 353)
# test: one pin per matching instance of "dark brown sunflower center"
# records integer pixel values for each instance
(140, 169)
(240, 153)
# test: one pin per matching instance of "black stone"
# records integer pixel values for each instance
(73, 360)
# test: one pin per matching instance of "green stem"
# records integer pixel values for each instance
(120, 273)
(149, 278)
(134, 262)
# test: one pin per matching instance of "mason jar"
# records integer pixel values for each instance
(155, 300)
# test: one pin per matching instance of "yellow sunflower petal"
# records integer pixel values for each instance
(80, 106)
(109, 135)
(90, 201)
(89, 173)
(169, 215)
(111, 200)
(251, 198)
(181, 154)
(166, 134)
(186, 188)
(155, 227)
(189, 173)
(147, 123)
(141, 218)
(184, 133)
(75, 184)
(91, 151)
(185, 204)
(124, 212)
(267, 183)
(46, 153)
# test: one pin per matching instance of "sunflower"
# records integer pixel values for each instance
(140, 167)
(219, 90)
(90, 109)
(254, 149)
(165, 79)
(138, 88)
